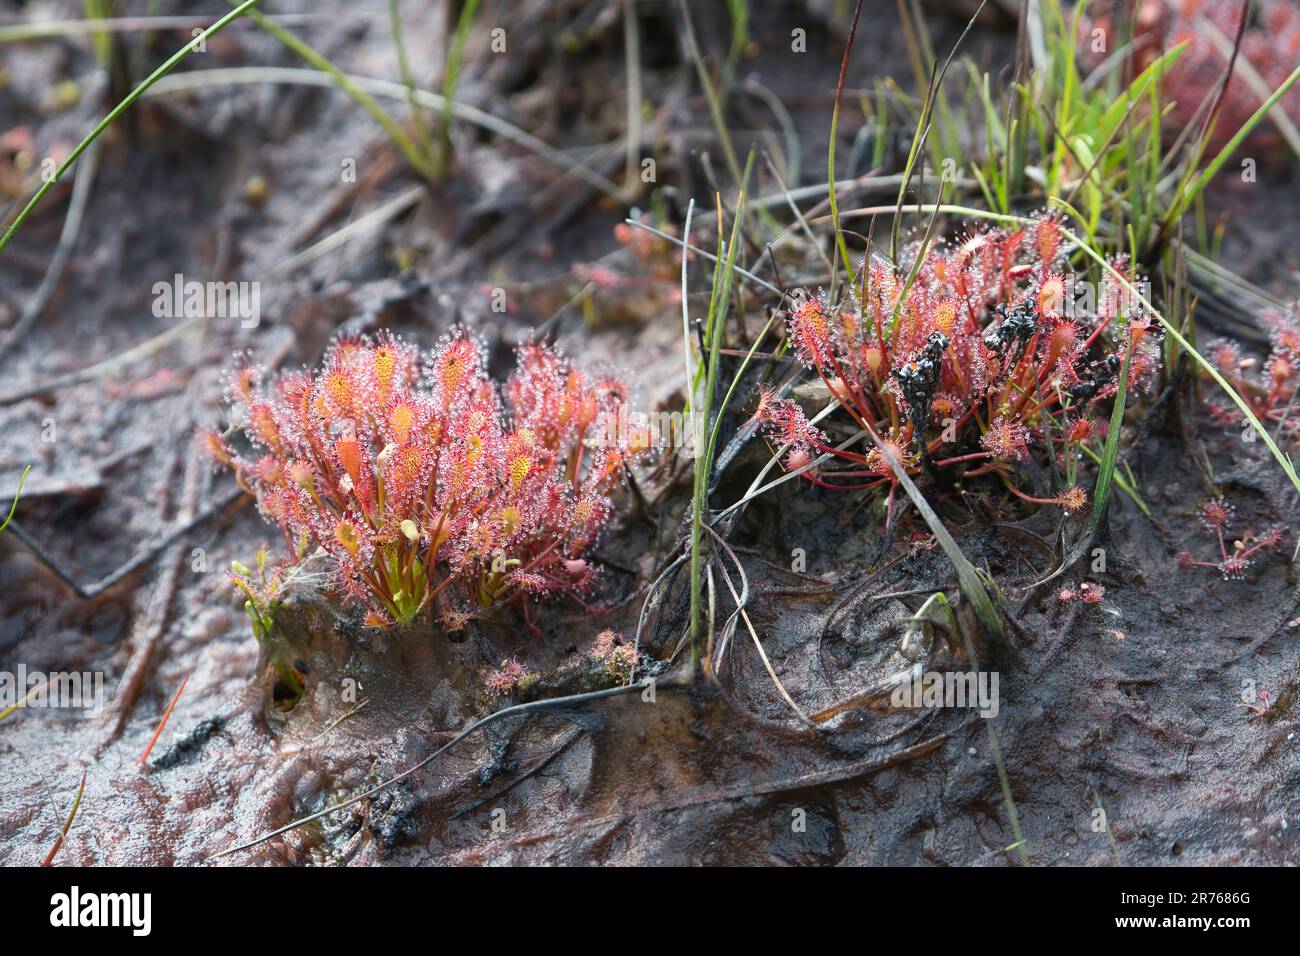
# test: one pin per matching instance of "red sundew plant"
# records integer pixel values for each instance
(657, 255)
(1216, 514)
(614, 654)
(419, 485)
(1271, 396)
(1270, 44)
(509, 677)
(985, 358)
(1088, 593)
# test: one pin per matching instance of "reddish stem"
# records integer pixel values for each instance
(165, 717)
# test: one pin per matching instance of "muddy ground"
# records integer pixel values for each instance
(1134, 706)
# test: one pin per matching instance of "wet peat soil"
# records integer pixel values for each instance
(1134, 705)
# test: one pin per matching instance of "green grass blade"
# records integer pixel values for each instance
(1225, 154)
(17, 494)
(451, 77)
(968, 578)
(724, 270)
(408, 80)
(171, 63)
(363, 99)
(1110, 454)
(840, 244)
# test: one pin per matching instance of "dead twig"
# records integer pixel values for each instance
(35, 306)
(147, 554)
(149, 634)
(143, 350)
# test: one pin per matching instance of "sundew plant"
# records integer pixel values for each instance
(420, 483)
(988, 352)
